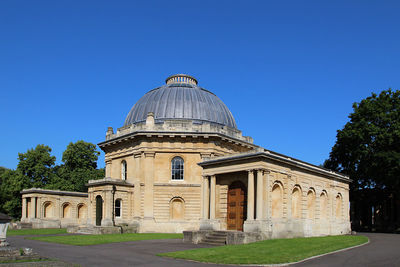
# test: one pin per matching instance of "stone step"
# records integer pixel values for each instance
(26, 225)
(212, 243)
(218, 235)
(215, 238)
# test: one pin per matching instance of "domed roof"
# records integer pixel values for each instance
(181, 98)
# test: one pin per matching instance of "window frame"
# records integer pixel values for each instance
(124, 170)
(119, 208)
(180, 169)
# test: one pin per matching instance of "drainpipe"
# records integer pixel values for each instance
(113, 205)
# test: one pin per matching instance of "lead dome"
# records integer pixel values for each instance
(181, 98)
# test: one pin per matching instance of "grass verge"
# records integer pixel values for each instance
(44, 231)
(86, 240)
(272, 251)
(22, 260)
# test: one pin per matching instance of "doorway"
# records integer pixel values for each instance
(99, 210)
(237, 206)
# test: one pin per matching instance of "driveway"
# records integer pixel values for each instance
(383, 250)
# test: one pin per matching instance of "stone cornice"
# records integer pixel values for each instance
(108, 181)
(276, 157)
(53, 192)
(169, 134)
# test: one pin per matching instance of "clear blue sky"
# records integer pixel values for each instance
(288, 70)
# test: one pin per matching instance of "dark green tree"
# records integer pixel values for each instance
(12, 184)
(37, 165)
(80, 163)
(368, 147)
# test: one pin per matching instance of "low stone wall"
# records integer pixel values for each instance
(100, 230)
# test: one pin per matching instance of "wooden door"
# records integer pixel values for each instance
(99, 210)
(237, 206)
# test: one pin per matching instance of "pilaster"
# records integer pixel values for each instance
(250, 196)
(149, 185)
(212, 197)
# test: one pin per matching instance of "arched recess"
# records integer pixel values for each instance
(311, 204)
(66, 210)
(338, 206)
(277, 200)
(177, 209)
(124, 170)
(82, 211)
(48, 209)
(323, 199)
(296, 202)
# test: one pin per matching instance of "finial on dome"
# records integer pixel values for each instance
(181, 78)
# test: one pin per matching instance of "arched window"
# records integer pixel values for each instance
(310, 204)
(117, 208)
(324, 204)
(276, 201)
(339, 206)
(124, 170)
(48, 210)
(177, 168)
(66, 210)
(296, 203)
(82, 211)
(177, 209)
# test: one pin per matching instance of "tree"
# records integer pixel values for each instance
(368, 147)
(80, 163)
(80, 155)
(37, 165)
(13, 183)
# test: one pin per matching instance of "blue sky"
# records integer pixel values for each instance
(288, 70)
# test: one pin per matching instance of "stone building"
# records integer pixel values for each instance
(179, 163)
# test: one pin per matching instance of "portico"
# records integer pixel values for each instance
(245, 199)
(265, 195)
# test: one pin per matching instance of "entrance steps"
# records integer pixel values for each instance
(215, 238)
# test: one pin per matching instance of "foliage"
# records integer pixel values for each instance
(80, 155)
(273, 251)
(368, 147)
(80, 163)
(42, 231)
(86, 240)
(13, 183)
(36, 164)
(36, 168)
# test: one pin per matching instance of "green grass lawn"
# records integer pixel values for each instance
(85, 240)
(272, 251)
(44, 231)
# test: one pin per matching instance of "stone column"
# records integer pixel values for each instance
(260, 191)
(137, 196)
(32, 214)
(206, 198)
(267, 195)
(149, 185)
(108, 205)
(212, 197)
(23, 208)
(89, 208)
(250, 196)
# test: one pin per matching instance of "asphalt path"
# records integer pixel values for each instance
(383, 250)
